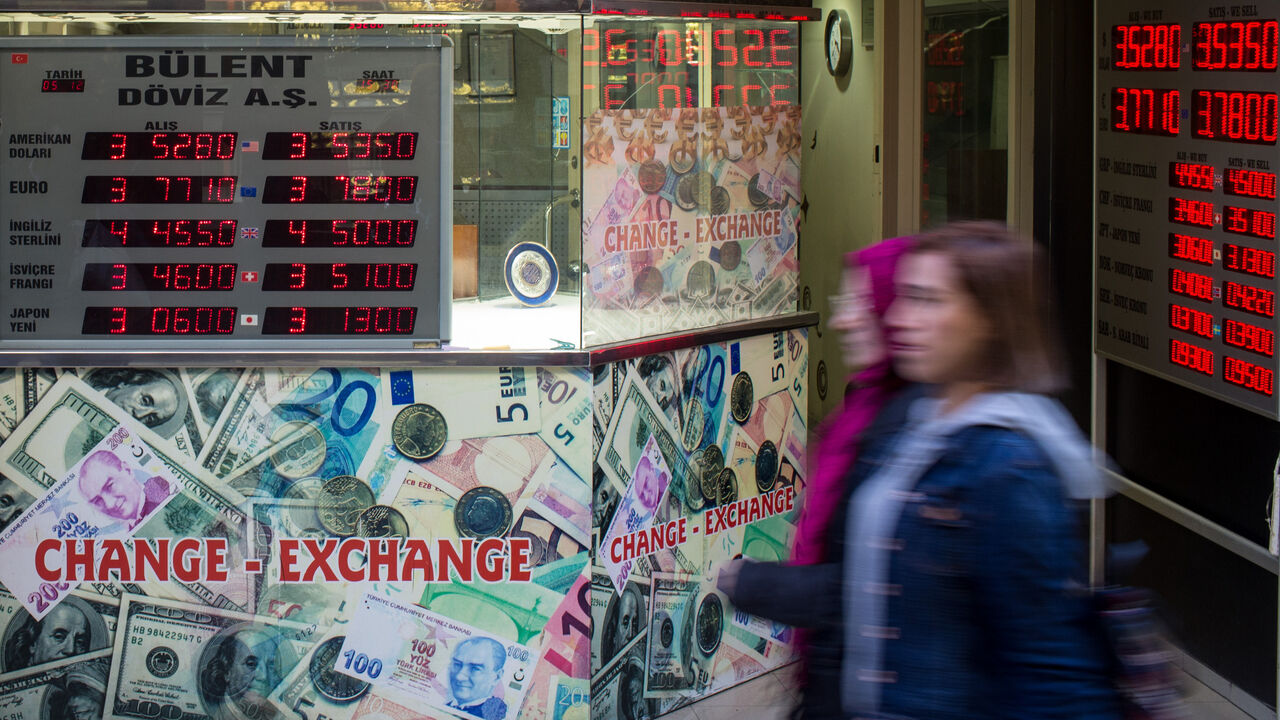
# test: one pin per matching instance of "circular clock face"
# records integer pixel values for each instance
(839, 42)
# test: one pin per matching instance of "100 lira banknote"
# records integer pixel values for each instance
(417, 657)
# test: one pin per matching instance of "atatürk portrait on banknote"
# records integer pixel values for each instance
(474, 671)
(72, 628)
(111, 487)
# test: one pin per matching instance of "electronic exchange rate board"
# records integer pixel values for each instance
(224, 193)
(1185, 253)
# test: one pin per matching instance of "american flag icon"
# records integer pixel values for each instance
(249, 146)
(248, 233)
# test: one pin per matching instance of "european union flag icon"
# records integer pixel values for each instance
(401, 387)
(248, 192)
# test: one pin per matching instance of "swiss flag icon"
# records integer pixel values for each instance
(18, 58)
(248, 276)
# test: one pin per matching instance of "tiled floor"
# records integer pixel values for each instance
(770, 697)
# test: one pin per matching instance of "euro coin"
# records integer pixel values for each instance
(766, 466)
(382, 521)
(342, 500)
(755, 195)
(741, 397)
(482, 512)
(730, 254)
(710, 622)
(651, 176)
(700, 283)
(712, 464)
(329, 682)
(419, 431)
(727, 486)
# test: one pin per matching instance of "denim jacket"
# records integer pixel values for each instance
(988, 616)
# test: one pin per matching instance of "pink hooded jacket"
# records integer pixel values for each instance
(836, 442)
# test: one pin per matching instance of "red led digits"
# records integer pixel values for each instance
(1249, 337)
(183, 320)
(155, 277)
(1191, 356)
(1146, 111)
(1191, 176)
(159, 233)
(362, 320)
(1247, 375)
(1250, 183)
(339, 276)
(61, 86)
(661, 70)
(1247, 46)
(1252, 261)
(1191, 212)
(1191, 284)
(339, 146)
(1250, 299)
(156, 189)
(311, 189)
(339, 233)
(1147, 47)
(1244, 117)
(1190, 248)
(159, 146)
(1245, 221)
(1191, 321)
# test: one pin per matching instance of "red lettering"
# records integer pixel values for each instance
(186, 556)
(382, 557)
(349, 572)
(45, 572)
(493, 562)
(289, 560)
(519, 560)
(320, 552)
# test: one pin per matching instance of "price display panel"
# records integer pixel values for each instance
(1187, 159)
(181, 193)
(669, 65)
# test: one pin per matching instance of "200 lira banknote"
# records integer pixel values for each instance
(120, 484)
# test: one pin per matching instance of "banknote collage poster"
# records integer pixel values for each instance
(333, 544)
(689, 218)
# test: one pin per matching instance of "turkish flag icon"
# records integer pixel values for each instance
(18, 58)
(248, 276)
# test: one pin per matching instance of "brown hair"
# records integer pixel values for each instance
(1004, 275)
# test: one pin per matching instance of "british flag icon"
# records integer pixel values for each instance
(248, 233)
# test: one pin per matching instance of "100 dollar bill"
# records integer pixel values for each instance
(187, 661)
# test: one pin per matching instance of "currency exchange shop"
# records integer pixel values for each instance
(521, 370)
